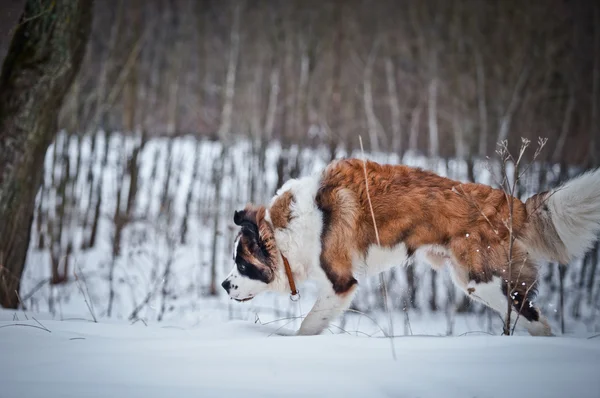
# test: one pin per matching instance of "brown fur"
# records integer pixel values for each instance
(280, 211)
(419, 208)
(541, 236)
(340, 218)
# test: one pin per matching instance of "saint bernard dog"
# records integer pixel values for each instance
(358, 218)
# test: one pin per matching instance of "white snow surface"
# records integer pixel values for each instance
(79, 358)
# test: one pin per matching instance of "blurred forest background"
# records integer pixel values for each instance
(185, 110)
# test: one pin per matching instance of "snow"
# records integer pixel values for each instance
(214, 358)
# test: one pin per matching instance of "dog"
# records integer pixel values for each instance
(359, 218)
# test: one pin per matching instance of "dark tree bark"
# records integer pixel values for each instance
(43, 59)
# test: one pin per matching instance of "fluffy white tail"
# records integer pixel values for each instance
(575, 211)
(564, 223)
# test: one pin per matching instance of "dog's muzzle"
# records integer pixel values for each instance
(226, 285)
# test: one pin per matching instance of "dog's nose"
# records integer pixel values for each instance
(226, 285)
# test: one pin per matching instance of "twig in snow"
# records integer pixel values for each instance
(26, 325)
(340, 328)
(281, 319)
(22, 304)
(407, 319)
(139, 320)
(89, 305)
(35, 289)
(356, 332)
(368, 317)
(476, 331)
(522, 304)
(284, 325)
(76, 319)
(39, 323)
(381, 276)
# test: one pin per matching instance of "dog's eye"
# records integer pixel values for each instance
(241, 267)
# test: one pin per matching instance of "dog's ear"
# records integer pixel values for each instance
(239, 216)
(252, 220)
(246, 218)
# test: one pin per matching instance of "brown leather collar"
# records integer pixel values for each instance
(290, 276)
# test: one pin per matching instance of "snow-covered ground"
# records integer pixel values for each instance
(78, 358)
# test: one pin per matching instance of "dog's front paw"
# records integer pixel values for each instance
(310, 329)
(304, 332)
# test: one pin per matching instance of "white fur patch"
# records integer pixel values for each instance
(243, 287)
(575, 211)
(435, 255)
(236, 243)
(489, 293)
(379, 259)
(300, 240)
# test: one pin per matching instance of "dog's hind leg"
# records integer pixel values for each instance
(493, 294)
(328, 306)
(523, 312)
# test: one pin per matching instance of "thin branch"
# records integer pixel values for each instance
(88, 303)
(26, 325)
(475, 331)
(340, 328)
(366, 316)
(139, 320)
(39, 323)
(522, 304)
(381, 276)
(282, 326)
(509, 191)
(368, 194)
(541, 144)
(22, 305)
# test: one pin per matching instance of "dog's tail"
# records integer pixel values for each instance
(564, 223)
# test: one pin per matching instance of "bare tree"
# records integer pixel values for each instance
(44, 57)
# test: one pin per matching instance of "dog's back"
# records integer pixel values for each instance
(419, 207)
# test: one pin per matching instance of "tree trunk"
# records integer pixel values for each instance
(562, 272)
(43, 59)
(394, 103)
(373, 125)
(481, 106)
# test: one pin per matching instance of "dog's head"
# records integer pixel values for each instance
(255, 255)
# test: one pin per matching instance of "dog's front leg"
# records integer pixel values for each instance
(328, 306)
